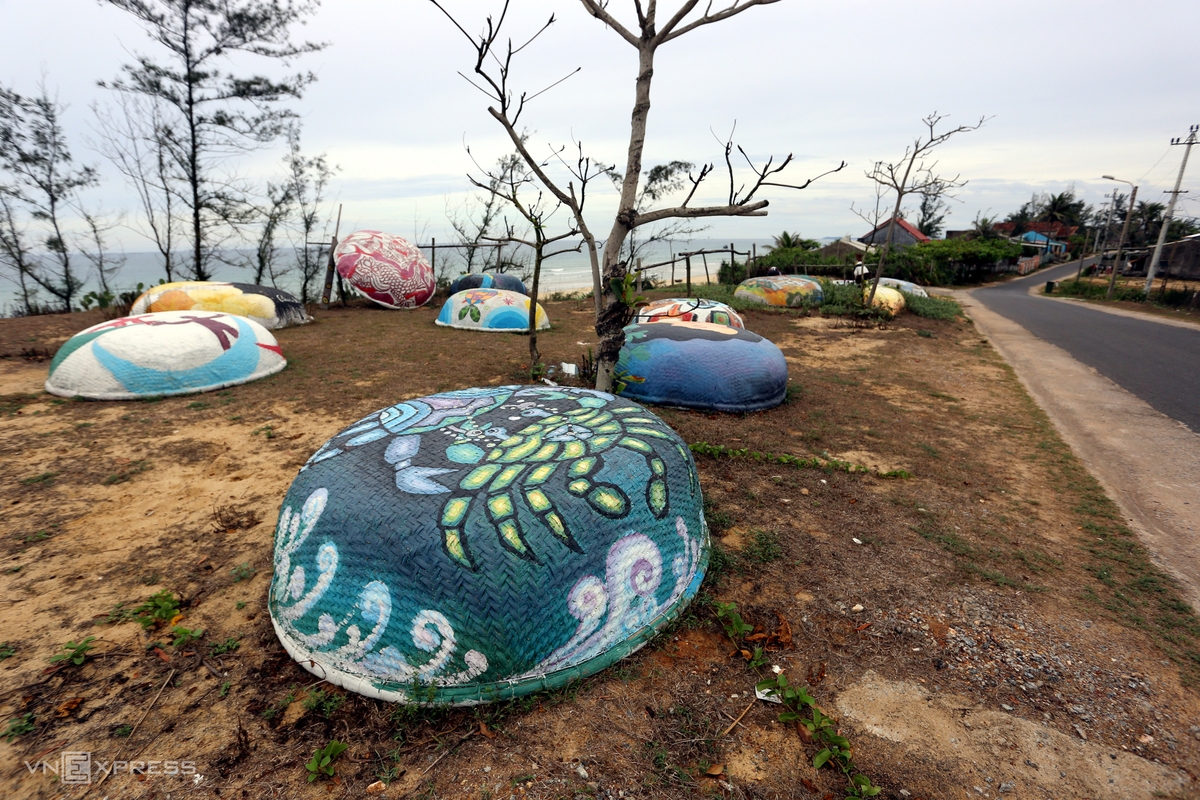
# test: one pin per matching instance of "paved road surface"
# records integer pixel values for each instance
(1156, 362)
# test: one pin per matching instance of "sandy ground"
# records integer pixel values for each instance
(973, 667)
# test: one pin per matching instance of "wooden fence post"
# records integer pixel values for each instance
(707, 278)
(329, 268)
(687, 261)
(433, 256)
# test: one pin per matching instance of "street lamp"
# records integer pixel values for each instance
(1124, 230)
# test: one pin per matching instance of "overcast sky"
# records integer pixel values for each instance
(1074, 90)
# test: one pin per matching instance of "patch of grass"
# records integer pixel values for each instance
(924, 334)
(268, 431)
(198, 405)
(44, 478)
(7, 650)
(223, 648)
(931, 308)
(136, 468)
(325, 702)
(122, 731)
(971, 559)
(242, 572)
(240, 604)
(813, 462)
(18, 727)
(764, 548)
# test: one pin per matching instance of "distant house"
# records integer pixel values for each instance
(845, 247)
(1042, 242)
(1053, 230)
(905, 234)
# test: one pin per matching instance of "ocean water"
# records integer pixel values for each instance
(567, 272)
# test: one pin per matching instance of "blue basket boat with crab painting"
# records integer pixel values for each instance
(486, 543)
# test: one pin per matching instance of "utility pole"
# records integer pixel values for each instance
(1166, 223)
(1112, 281)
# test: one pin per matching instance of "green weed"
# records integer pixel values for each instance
(321, 764)
(242, 572)
(326, 702)
(43, 478)
(765, 547)
(75, 653)
(122, 731)
(159, 608)
(18, 727)
(185, 636)
(223, 648)
(7, 651)
(136, 468)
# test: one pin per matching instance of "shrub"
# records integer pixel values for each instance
(932, 307)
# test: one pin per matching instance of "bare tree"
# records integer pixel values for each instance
(16, 255)
(492, 69)
(308, 179)
(95, 249)
(272, 214)
(133, 137)
(213, 114)
(912, 174)
(35, 155)
(508, 183)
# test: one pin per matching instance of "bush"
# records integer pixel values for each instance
(932, 307)
(731, 275)
(1088, 290)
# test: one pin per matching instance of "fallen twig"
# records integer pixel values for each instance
(733, 724)
(133, 730)
(448, 751)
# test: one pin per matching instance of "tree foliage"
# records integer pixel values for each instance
(210, 112)
(40, 178)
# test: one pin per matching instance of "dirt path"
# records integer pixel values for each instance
(1148, 462)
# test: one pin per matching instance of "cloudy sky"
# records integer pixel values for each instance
(1073, 90)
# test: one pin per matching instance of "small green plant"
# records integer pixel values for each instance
(321, 764)
(758, 658)
(75, 653)
(158, 609)
(931, 308)
(136, 468)
(151, 578)
(6, 651)
(18, 727)
(101, 300)
(185, 636)
(224, 689)
(239, 605)
(223, 648)
(45, 477)
(122, 731)
(326, 702)
(242, 572)
(268, 431)
(801, 707)
(735, 626)
(925, 334)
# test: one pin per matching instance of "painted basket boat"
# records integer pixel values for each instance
(384, 268)
(782, 290)
(904, 286)
(272, 308)
(495, 310)
(488, 280)
(887, 297)
(482, 544)
(690, 309)
(168, 353)
(701, 365)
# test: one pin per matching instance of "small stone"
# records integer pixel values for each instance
(857, 608)
(1007, 786)
(581, 772)
(1082, 735)
(905, 793)
(804, 492)
(856, 541)
(378, 787)
(1006, 707)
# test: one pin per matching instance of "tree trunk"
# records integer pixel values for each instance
(611, 319)
(534, 356)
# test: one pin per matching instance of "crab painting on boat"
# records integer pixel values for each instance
(485, 543)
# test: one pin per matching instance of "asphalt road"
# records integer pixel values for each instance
(1158, 363)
